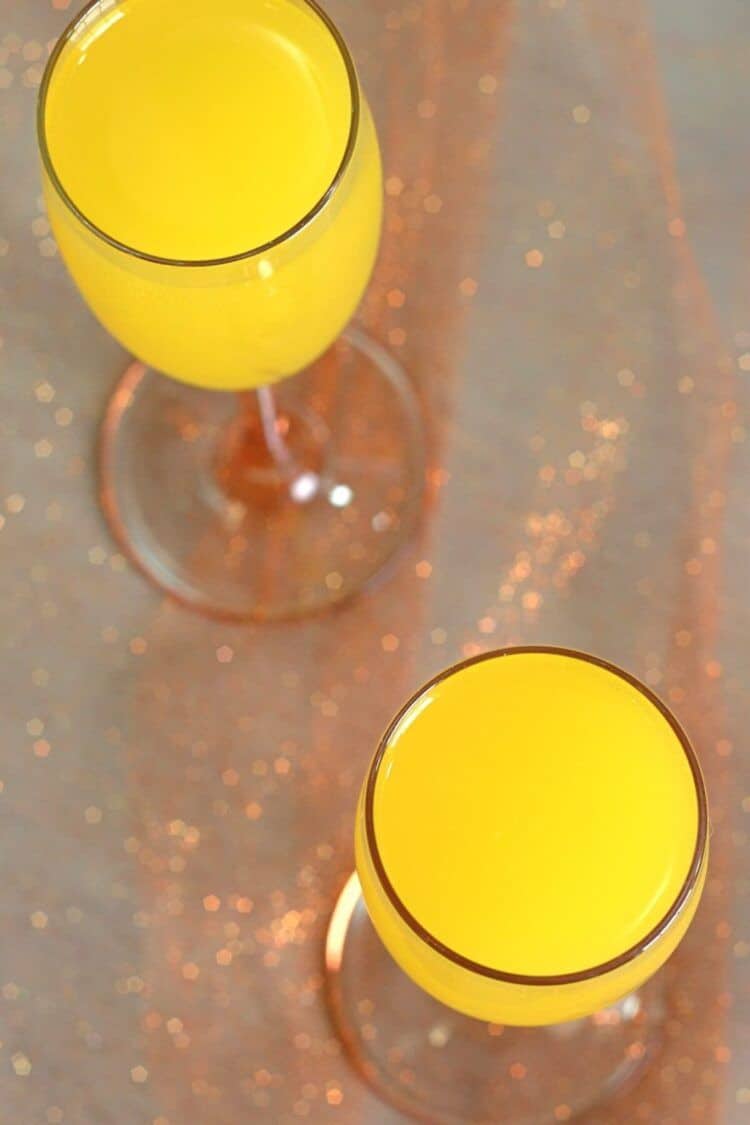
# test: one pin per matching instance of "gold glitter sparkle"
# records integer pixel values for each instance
(21, 1064)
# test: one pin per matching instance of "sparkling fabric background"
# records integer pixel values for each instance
(564, 274)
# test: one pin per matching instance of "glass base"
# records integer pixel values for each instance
(439, 1066)
(194, 500)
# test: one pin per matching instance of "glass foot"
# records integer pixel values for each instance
(192, 498)
(442, 1067)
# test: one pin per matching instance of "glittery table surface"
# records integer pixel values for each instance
(564, 274)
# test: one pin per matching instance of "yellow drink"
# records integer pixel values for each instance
(531, 837)
(194, 133)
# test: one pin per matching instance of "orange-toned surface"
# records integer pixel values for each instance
(564, 271)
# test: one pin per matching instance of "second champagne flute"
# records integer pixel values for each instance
(532, 844)
(213, 180)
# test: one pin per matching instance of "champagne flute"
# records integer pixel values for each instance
(531, 846)
(213, 180)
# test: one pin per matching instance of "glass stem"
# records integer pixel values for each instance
(261, 404)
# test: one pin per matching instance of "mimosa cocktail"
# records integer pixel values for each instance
(213, 180)
(196, 132)
(531, 837)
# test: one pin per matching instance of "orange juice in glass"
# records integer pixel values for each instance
(531, 847)
(213, 180)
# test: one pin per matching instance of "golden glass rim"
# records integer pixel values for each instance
(198, 263)
(552, 979)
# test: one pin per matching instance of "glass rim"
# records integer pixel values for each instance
(550, 979)
(196, 263)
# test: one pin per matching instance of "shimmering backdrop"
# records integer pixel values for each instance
(564, 274)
